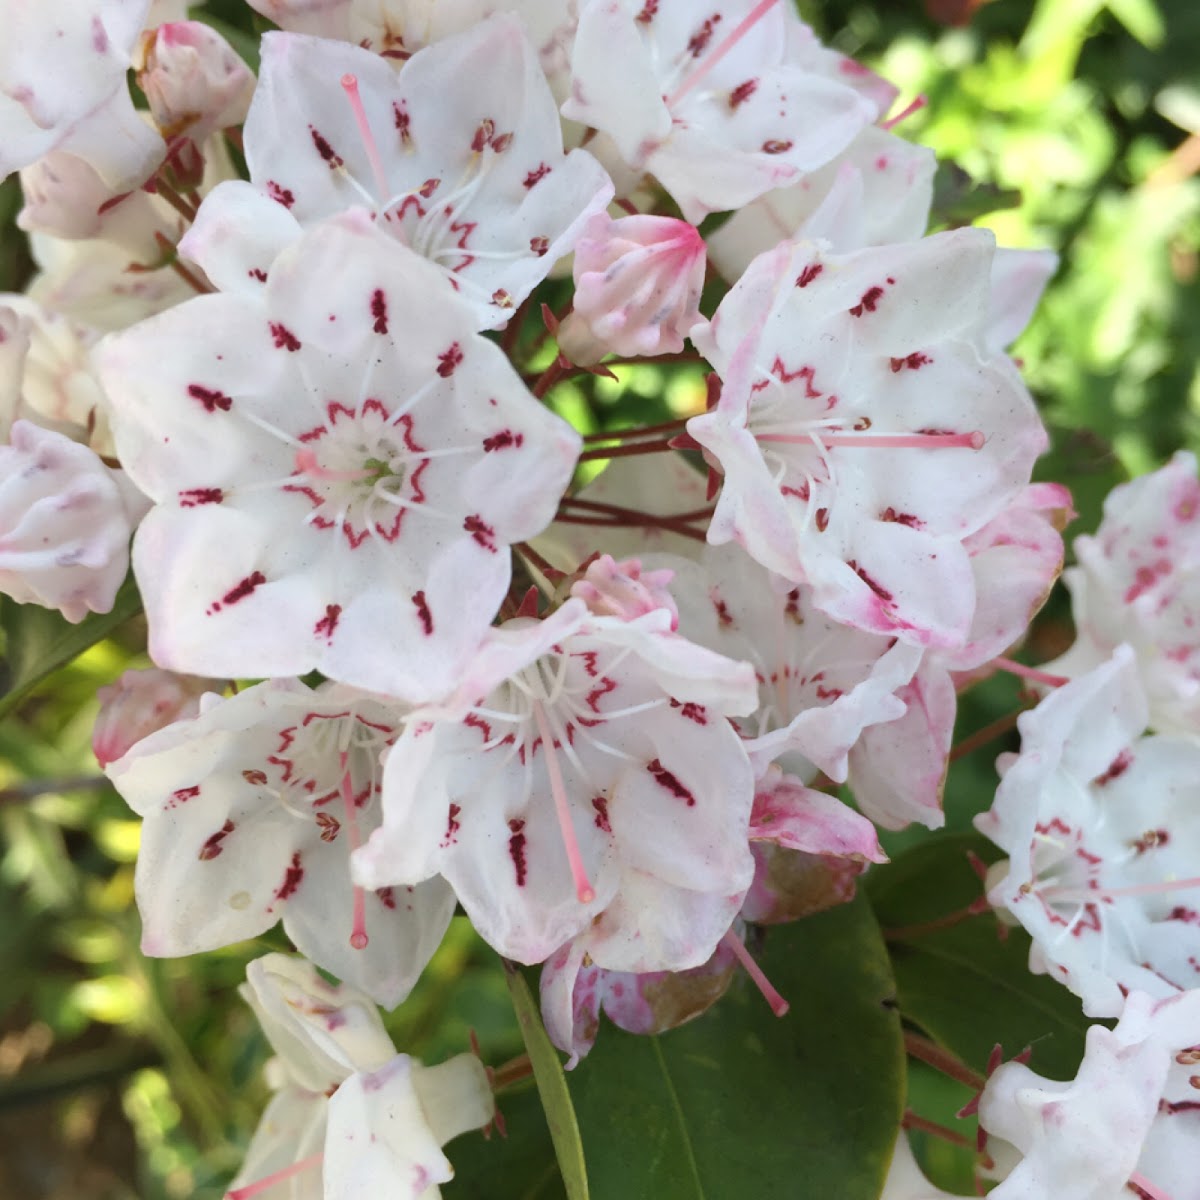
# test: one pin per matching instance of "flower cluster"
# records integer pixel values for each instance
(316, 396)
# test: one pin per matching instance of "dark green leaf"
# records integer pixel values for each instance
(740, 1103)
(552, 1087)
(959, 200)
(39, 640)
(965, 985)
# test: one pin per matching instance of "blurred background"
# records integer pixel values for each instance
(1072, 124)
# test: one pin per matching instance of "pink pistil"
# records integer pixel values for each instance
(779, 1006)
(722, 48)
(350, 86)
(1030, 673)
(358, 935)
(883, 441)
(1134, 889)
(268, 1181)
(307, 464)
(1148, 1189)
(914, 106)
(583, 887)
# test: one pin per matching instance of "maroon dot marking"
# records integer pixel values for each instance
(914, 361)
(536, 175)
(291, 879)
(809, 274)
(723, 613)
(876, 587)
(452, 825)
(210, 398)
(539, 245)
(869, 301)
(379, 311)
(328, 623)
(502, 440)
(1115, 769)
(900, 518)
(484, 534)
(329, 826)
(600, 804)
(742, 92)
(212, 844)
(283, 337)
(648, 13)
(183, 795)
(693, 712)
(325, 150)
(244, 589)
(423, 613)
(257, 273)
(449, 359)
(516, 850)
(699, 40)
(666, 779)
(387, 897)
(403, 122)
(280, 195)
(822, 519)
(777, 145)
(194, 497)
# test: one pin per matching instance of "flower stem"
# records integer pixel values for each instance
(933, 1055)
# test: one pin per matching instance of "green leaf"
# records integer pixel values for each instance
(552, 1087)
(959, 200)
(519, 1166)
(39, 640)
(741, 1103)
(965, 985)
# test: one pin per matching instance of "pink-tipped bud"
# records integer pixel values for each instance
(139, 704)
(621, 589)
(194, 80)
(637, 288)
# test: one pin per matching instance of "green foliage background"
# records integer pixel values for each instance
(126, 1077)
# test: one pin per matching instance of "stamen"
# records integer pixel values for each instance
(915, 105)
(880, 441)
(1134, 889)
(723, 48)
(267, 1181)
(583, 888)
(350, 86)
(358, 934)
(1030, 673)
(779, 1006)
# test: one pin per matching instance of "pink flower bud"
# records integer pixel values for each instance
(621, 589)
(139, 704)
(637, 288)
(64, 525)
(194, 80)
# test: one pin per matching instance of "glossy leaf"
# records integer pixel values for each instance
(551, 1085)
(741, 1103)
(965, 984)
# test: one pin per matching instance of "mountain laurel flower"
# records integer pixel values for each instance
(709, 100)
(138, 704)
(250, 811)
(194, 80)
(339, 464)
(637, 288)
(1127, 1124)
(1102, 831)
(1135, 581)
(350, 1117)
(623, 589)
(863, 429)
(65, 523)
(63, 86)
(583, 782)
(480, 187)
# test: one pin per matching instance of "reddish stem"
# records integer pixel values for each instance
(933, 1055)
(910, 1120)
(658, 447)
(618, 435)
(1030, 673)
(988, 733)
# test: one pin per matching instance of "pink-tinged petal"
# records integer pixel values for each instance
(237, 235)
(622, 589)
(876, 192)
(570, 999)
(1018, 279)
(898, 770)
(798, 818)
(790, 884)
(139, 704)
